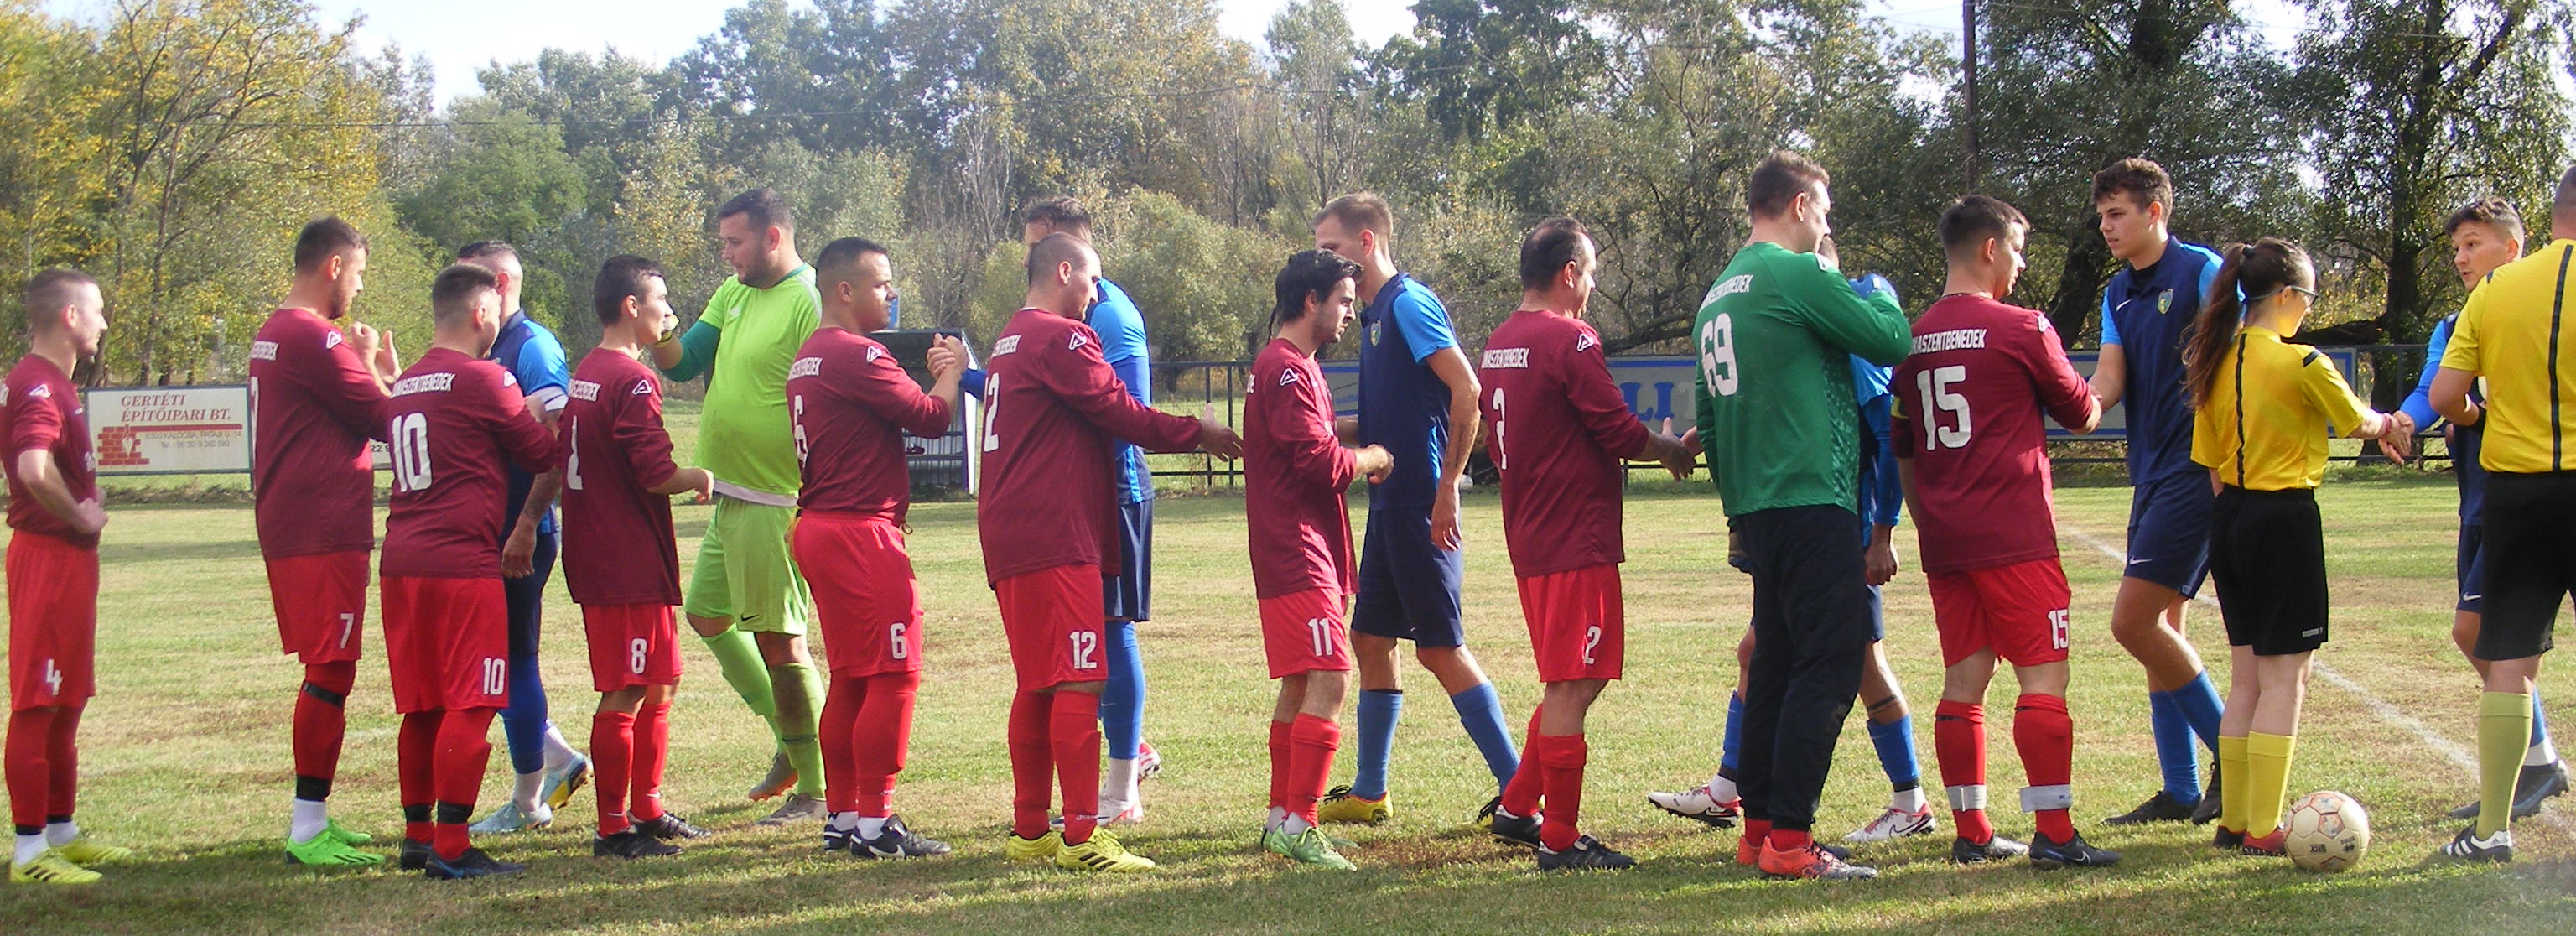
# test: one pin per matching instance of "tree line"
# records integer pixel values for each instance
(174, 146)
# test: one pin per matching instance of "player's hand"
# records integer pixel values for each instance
(1216, 437)
(1678, 458)
(89, 517)
(1444, 519)
(667, 327)
(364, 339)
(385, 359)
(2397, 438)
(1879, 561)
(1690, 440)
(947, 356)
(518, 553)
(702, 486)
(1377, 463)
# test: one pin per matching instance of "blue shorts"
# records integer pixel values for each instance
(1129, 595)
(2169, 532)
(526, 598)
(1408, 588)
(2472, 568)
(1877, 615)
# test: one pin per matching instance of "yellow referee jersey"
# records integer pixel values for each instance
(2264, 428)
(2519, 334)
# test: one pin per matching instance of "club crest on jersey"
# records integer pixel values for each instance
(2164, 302)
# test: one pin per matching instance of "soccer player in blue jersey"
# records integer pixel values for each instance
(2485, 234)
(549, 771)
(1418, 399)
(2145, 312)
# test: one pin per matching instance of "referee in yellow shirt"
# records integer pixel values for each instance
(2513, 338)
(2262, 409)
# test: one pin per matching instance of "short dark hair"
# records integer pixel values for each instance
(2490, 211)
(2562, 204)
(1051, 250)
(1547, 248)
(1361, 211)
(2145, 182)
(48, 292)
(451, 295)
(622, 276)
(324, 238)
(1778, 180)
(762, 207)
(841, 253)
(485, 249)
(1971, 220)
(1061, 212)
(1310, 273)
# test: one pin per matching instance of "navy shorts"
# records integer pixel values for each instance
(2169, 532)
(1877, 615)
(1408, 588)
(1129, 595)
(526, 598)
(2471, 569)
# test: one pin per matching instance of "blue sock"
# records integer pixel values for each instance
(1378, 711)
(2201, 708)
(523, 722)
(2539, 722)
(1727, 750)
(1480, 711)
(1122, 704)
(1895, 744)
(2174, 751)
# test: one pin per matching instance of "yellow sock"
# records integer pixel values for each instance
(2504, 731)
(2267, 765)
(2232, 795)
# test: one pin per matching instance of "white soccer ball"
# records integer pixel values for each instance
(2327, 831)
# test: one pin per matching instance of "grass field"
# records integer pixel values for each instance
(186, 758)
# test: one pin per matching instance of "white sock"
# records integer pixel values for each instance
(842, 822)
(1907, 800)
(872, 826)
(311, 817)
(30, 847)
(1723, 789)
(1294, 825)
(1278, 817)
(1118, 783)
(559, 752)
(2541, 755)
(59, 834)
(524, 791)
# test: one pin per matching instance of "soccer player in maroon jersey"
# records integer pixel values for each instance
(316, 396)
(454, 420)
(1051, 408)
(852, 404)
(54, 519)
(1969, 439)
(1294, 474)
(620, 561)
(1560, 429)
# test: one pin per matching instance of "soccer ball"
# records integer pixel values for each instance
(2327, 831)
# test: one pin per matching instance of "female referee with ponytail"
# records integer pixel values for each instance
(2264, 406)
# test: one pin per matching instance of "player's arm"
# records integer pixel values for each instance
(1887, 491)
(2450, 396)
(2323, 384)
(1605, 415)
(1450, 365)
(689, 354)
(2111, 364)
(34, 427)
(1083, 381)
(2419, 401)
(637, 432)
(886, 390)
(1314, 451)
(1873, 328)
(1900, 431)
(2062, 392)
(348, 387)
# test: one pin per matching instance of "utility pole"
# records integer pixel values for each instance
(1968, 55)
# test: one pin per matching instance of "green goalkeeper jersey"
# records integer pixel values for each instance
(1774, 393)
(746, 437)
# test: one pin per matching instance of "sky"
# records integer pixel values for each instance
(460, 36)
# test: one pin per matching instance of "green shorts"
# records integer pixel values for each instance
(744, 572)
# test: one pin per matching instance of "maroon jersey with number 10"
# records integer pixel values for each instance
(1294, 474)
(1560, 427)
(617, 542)
(453, 423)
(1967, 410)
(42, 410)
(852, 404)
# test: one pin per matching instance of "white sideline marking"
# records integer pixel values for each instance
(2459, 755)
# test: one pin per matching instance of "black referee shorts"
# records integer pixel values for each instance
(2529, 565)
(2267, 552)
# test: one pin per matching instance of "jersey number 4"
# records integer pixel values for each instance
(1934, 384)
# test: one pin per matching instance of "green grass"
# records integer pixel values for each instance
(187, 758)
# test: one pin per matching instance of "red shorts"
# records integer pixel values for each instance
(447, 641)
(631, 645)
(2018, 611)
(53, 622)
(1052, 619)
(1577, 628)
(865, 596)
(321, 603)
(1306, 631)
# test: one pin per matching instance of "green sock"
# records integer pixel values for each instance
(739, 658)
(797, 686)
(2233, 798)
(2267, 763)
(2504, 731)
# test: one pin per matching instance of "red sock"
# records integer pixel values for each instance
(30, 732)
(416, 765)
(885, 741)
(2045, 735)
(1563, 758)
(1282, 755)
(1314, 740)
(612, 757)
(1074, 734)
(464, 749)
(62, 762)
(840, 731)
(1032, 764)
(321, 721)
(1757, 834)
(1789, 840)
(1528, 786)
(1959, 741)
(652, 752)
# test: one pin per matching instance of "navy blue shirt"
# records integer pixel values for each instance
(532, 355)
(2464, 439)
(1404, 406)
(2145, 312)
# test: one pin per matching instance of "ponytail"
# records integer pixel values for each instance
(2259, 271)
